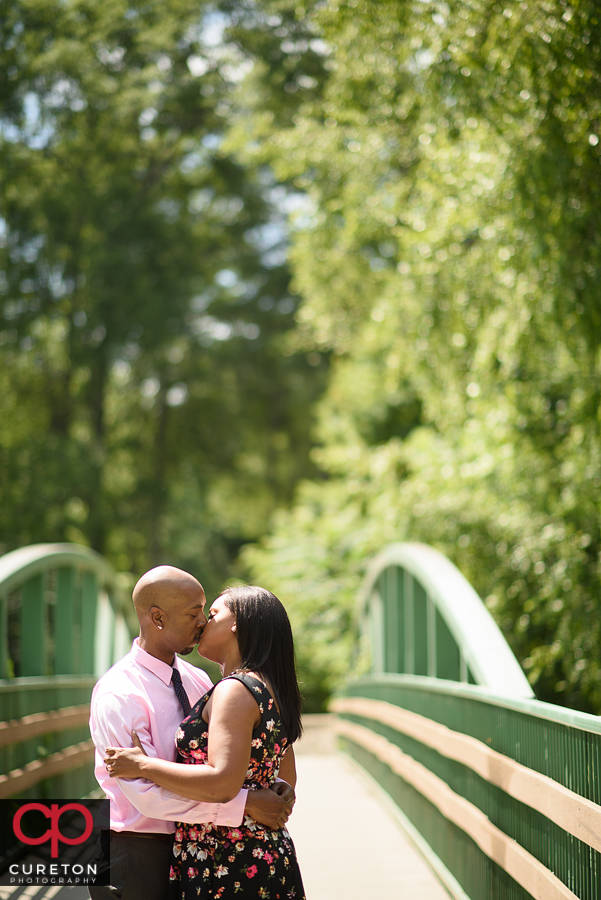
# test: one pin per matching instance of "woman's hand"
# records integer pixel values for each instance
(126, 763)
(233, 717)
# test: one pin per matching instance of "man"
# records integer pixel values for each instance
(150, 691)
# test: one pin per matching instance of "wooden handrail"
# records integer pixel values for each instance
(17, 730)
(523, 867)
(575, 814)
(20, 780)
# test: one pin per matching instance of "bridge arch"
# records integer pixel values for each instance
(420, 616)
(501, 792)
(71, 604)
(65, 618)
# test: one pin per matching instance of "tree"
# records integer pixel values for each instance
(450, 266)
(147, 407)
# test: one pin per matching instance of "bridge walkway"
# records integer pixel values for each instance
(500, 792)
(348, 843)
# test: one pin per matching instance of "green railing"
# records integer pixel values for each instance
(64, 619)
(420, 616)
(501, 792)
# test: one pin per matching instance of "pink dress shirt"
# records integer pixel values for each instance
(137, 694)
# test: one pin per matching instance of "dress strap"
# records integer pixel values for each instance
(254, 685)
(261, 695)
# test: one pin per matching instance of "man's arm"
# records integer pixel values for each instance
(111, 725)
(265, 806)
(228, 752)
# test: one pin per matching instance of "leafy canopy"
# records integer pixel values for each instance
(450, 262)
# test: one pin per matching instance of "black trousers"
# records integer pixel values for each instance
(139, 867)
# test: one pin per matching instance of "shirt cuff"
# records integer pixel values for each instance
(232, 813)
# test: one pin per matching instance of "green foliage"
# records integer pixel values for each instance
(437, 168)
(450, 261)
(147, 407)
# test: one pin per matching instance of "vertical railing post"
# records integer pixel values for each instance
(89, 600)
(377, 631)
(391, 619)
(409, 622)
(399, 591)
(33, 643)
(3, 637)
(104, 631)
(419, 635)
(65, 622)
(431, 630)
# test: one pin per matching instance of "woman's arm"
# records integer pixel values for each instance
(288, 767)
(233, 715)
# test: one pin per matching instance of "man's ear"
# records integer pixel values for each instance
(157, 617)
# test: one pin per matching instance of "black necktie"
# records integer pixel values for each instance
(176, 680)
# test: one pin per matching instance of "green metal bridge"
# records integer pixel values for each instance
(64, 620)
(500, 792)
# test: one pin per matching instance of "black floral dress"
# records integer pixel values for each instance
(218, 861)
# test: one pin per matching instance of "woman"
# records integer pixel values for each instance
(240, 734)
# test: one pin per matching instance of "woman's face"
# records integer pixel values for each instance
(218, 639)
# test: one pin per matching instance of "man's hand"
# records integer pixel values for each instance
(271, 806)
(285, 791)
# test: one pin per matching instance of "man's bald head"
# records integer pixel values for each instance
(170, 607)
(162, 586)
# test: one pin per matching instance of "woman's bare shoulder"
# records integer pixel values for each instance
(232, 690)
(234, 704)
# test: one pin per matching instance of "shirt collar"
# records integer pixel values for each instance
(159, 668)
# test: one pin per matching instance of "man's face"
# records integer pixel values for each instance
(184, 620)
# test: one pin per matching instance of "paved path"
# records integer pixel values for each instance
(349, 846)
(35, 892)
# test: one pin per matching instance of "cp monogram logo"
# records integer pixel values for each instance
(53, 812)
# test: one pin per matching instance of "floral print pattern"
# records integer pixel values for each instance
(217, 861)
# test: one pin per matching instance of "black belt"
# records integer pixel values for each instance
(154, 836)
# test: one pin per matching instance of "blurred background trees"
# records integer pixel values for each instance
(451, 269)
(305, 278)
(147, 406)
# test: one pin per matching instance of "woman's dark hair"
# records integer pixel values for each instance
(267, 648)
